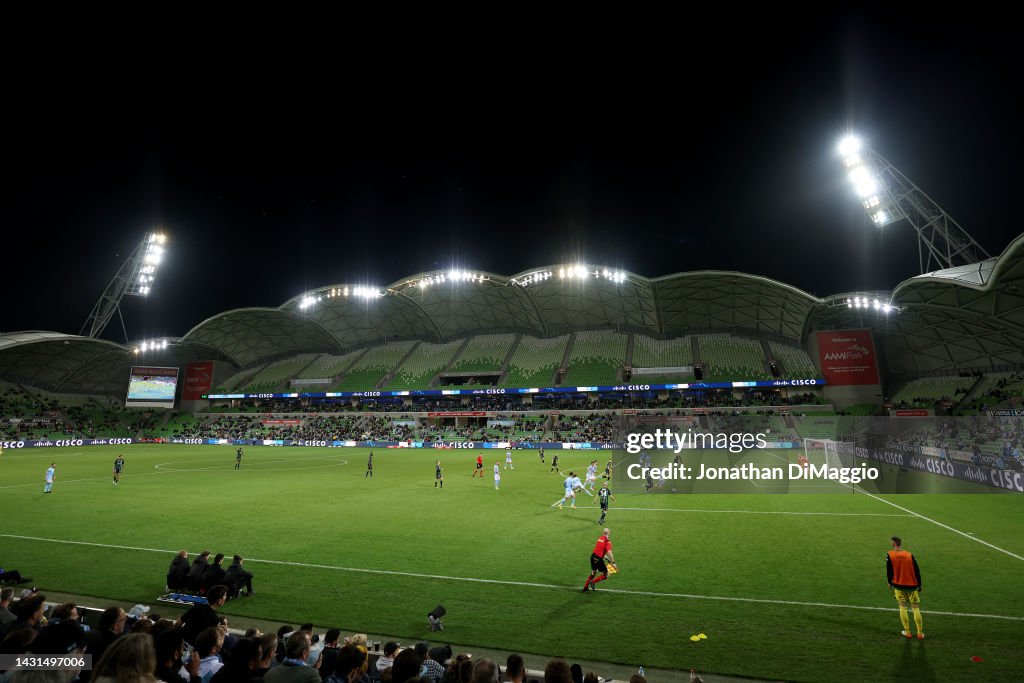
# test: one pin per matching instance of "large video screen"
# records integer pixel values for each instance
(150, 387)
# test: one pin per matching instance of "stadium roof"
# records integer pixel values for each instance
(966, 317)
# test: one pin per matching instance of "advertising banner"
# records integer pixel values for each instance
(847, 357)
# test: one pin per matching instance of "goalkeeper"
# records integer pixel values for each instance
(602, 550)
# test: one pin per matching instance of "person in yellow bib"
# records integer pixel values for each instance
(905, 580)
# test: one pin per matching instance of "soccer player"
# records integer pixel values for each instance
(603, 495)
(591, 478)
(541, 455)
(802, 460)
(602, 549)
(570, 492)
(118, 466)
(607, 470)
(438, 475)
(238, 459)
(369, 466)
(554, 465)
(479, 466)
(49, 477)
(508, 460)
(905, 579)
(497, 477)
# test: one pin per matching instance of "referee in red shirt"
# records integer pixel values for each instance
(602, 550)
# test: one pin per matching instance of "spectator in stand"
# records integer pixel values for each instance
(215, 573)
(209, 643)
(242, 664)
(66, 639)
(237, 578)
(6, 615)
(329, 653)
(485, 671)
(177, 573)
(170, 645)
(130, 659)
(387, 660)
(348, 665)
(28, 613)
(67, 611)
(577, 673)
(201, 617)
(195, 574)
(515, 668)
(110, 628)
(591, 677)
(460, 669)
(430, 668)
(407, 666)
(268, 648)
(294, 668)
(557, 671)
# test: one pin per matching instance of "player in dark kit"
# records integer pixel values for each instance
(607, 470)
(541, 455)
(479, 466)
(118, 466)
(439, 476)
(554, 465)
(369, 467)
(238, 459)
(602, 550)
(603, 495)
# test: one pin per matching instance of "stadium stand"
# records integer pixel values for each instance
(327, 366)
(484, 353)
(534, 362)
(728, 358)
(663, 353)
(275, 374)
(796, 363)
(596, 358)
(926, 391)
(373, 366)
(422, 365)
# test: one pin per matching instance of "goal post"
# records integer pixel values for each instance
(830, 452)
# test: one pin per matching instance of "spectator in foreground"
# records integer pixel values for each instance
(201, 617)
(387, 660)
(208, 646)
(130, 659)
(485, 671)
(407, 666)
(348, 666)
(170, 645)
(557, 671)
(515, 668)
(6, 615)
(294, 668)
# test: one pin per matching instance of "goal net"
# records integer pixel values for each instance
(829, 452)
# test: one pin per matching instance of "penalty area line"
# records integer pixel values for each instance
(525, 584)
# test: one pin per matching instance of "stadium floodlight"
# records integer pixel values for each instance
(135, 277)
(889, 196)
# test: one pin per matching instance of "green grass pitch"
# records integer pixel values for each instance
(785, 586)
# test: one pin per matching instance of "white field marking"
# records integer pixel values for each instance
(768, 512)
(528, 584)
(160, 470)
(258, 464)
(944, 526)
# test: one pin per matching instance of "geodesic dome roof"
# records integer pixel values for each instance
(970, 317)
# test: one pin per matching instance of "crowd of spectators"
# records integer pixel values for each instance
(199, 647)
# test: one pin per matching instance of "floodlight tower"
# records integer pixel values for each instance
(888, 196)
(135, 278)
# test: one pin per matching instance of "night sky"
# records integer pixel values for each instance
(702, 147)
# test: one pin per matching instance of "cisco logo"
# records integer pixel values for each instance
(975, 474)
(69, 442)
(192, 442)
(315, 443)
(12, 444)
(120, 441)
(1008, 480)
(494, 391)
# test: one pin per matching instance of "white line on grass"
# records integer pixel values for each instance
(770, 512)
(527, 584)
(944, 526)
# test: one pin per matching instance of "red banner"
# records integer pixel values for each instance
(847, 357)
(198, 380)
